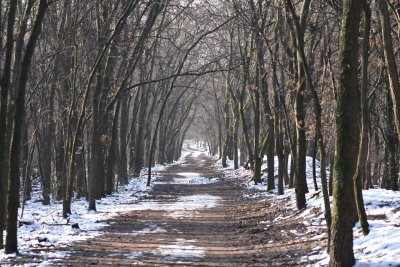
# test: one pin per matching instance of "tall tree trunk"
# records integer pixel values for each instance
(139, 153)
(5, 87)
(242, 95)
(347, 138)
(227, 126)
(314, 171)
(123, 132)
(132, 132)
(112, 151)
(364, 143)
(269, 119)
(26, 159)
(13, 194)
(301, 147)
(390, 60)
(235, 137)
(96, 178)
(389, 179)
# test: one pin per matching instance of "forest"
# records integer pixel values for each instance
(95, 94)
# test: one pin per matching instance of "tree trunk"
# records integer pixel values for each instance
(301, 147)
(364, 143)
(347, 138)
(139, 154)
(390, 60)
(13, 194)
(227, 128)
(314, 171)
(389, 179)
(123, 132)
(246, 138)
(112, 151)
(5, 87)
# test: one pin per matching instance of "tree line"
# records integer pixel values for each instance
(92, 92)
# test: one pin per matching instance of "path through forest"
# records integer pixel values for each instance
(194, 216)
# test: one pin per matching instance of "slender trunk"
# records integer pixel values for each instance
(301, 148)
(363, 150)
(5, 87)
(112, 151)
(123, 159)
(246, 138)
(139, 153)
(347, 138)
(279, 150)
(13, 194)
(227, 128)
(389, 179)
(236, 141)
(27, 189)
(132, 132)
(390, 60)
(227, 111)
(314, 159)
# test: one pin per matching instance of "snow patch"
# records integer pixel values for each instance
(153, 229)
(181, 249)
(379, 248)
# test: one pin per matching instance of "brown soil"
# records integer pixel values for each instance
(234, 233)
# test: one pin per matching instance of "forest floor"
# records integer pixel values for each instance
(194, 216)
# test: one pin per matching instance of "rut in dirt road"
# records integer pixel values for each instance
(194, 216)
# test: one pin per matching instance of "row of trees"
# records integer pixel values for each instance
(93, 91)
(319, 79)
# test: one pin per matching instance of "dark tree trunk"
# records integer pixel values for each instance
(227, 129)
(389, 179)
(132, 132)
(5, 87)
(123, 132)
(301, 146)
(347, 138)
(13, 194)
(140, 140)
(390, 60)
(364, 142)
(112, 151)
(314, 171)
(26, 159)
(59, 161)
(45, 161)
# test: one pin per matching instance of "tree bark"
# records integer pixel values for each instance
(301, 147)
(112, 152)
(390, 60)
(13, 194)
(364, 143)
(123, 132)
(5, 87)
(347, 138)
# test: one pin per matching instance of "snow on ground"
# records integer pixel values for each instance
(180, 249)
(193, 178)
(380, 248)
(43, 226)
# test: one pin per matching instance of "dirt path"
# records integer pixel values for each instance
(210, 224)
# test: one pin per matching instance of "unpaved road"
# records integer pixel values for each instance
(209, 224)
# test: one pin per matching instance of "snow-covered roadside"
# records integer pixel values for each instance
(43, 226)
(378, 249)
